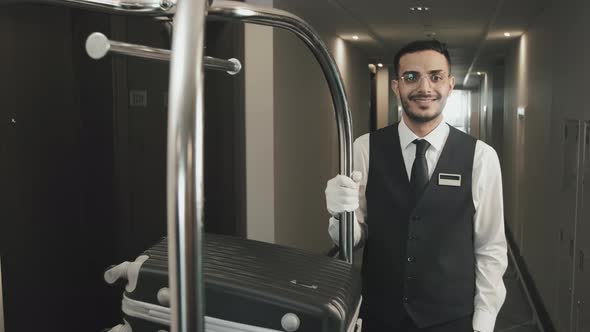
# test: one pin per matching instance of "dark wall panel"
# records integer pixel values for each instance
(225, 211)
(83, 171)
(56, 220)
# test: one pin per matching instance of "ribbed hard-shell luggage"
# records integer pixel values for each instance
(249, 286)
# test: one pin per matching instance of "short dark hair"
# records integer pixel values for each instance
(422, 45)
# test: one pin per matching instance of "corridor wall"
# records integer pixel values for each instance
(544, 159)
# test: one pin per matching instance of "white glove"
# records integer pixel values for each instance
(342, 193)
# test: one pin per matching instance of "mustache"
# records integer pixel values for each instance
(423, 96)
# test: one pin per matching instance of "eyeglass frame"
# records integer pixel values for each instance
(429, 75)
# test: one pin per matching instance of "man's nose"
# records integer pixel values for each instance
(424, 85)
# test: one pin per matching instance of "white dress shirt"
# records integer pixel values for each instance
(488, 221)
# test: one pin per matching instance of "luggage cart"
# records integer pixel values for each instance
(184, 243)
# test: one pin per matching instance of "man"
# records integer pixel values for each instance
(428, 205)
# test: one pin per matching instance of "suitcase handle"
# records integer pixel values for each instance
(126, 270)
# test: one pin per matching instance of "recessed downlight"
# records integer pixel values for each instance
(419, 9)
(380, 65)
(430, 34)
(507, 34)
(355, 37)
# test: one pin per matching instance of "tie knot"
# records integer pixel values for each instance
(421, 146)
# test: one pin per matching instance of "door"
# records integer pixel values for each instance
(582, 276)
(519, 159)
(567, 211)
(1, 300)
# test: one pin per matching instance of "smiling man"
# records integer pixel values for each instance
(428, 205)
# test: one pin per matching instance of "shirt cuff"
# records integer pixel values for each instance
(334, 231)
(483, 321)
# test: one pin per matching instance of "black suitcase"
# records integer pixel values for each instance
(249, 286)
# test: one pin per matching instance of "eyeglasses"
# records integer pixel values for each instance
(414, 78)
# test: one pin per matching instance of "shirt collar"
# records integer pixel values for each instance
(436, 138)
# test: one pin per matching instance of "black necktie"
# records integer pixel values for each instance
(419, 177)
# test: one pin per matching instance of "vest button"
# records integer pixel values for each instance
(406, 300)
(412, 237)
(416, 218)
(411, 259)
(410, 278)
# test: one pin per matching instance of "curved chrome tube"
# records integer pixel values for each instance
(230, 10)
(185, 168)
(185, 198)
(136, 7)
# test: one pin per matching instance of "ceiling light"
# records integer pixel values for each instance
(430, 34)
(419, 8)
(380, 65)
(355, 37)
(479, 73)
(507, 34)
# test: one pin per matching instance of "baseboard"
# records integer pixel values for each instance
(529, 283)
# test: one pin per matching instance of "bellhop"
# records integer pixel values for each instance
(428, 203)
(428, 239)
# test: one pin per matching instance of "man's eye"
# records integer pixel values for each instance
(436, 77)
(411, 77)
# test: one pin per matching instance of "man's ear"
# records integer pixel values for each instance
(452, 83)
(395, 87)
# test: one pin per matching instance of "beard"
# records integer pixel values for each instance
(422, 117)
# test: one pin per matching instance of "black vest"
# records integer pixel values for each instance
(419, 256)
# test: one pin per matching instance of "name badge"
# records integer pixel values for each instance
(453, 180)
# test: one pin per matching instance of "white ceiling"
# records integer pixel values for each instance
(472, 29)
